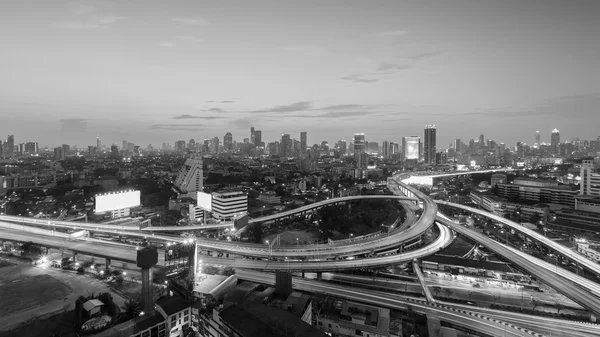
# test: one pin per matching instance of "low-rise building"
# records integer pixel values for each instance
(228, 205)
(591, 251)
(347, 318)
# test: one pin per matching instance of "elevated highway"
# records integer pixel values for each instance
(435, 312)
(562, 250)
(578, 289)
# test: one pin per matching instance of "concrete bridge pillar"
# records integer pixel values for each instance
(434, 327)
(592, 317)
(107, 263)
(302, 274)
(74, 257)
(319, 276)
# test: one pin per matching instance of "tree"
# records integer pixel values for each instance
(132, 309)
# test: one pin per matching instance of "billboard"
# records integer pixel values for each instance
(205, 201)
(412, 147)
(117, 200)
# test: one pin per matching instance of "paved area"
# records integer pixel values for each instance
(79, 285)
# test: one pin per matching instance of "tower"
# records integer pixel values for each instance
(555, 141)
(303, 142)
(147, 257)
(228, 142)
(360, 149)
(429, 147)
(537, 138)
(252, 135)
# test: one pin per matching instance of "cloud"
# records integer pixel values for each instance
(306, 50)
(166, 44)
(385, 66)
(178, 127)
(293, 107)
(344, 107)
(73, 124)
(358, 78)
(244, 123)
(337, 114)
(216, 110)
(421, 56)
(392, 33)
(187, 116)
(189, 38)
(92, 22)
(190, 21)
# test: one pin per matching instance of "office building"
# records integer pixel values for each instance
(228, 205)
(252, 135)
(285, 147)
(9, 147)
(98, 143)
(360, 148)
(590, 182)
(303, 142)
(189, 178)
(555, 141)
(345, 318)
(537, 139)
(258, 138)
(386, 150)
(180, 146)
(1, 150)
(114, 151)
(59, 154)
(430, 144)
(457, 145)
(498, 178)
(31, 147)
(228, 142)
(66, 149)
(411, 147)
(539, 190)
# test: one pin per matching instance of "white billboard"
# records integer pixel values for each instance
(117, 200)
(205, 201)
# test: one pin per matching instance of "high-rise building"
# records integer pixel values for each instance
(66, 149)
(59, 154)
(252, 135)
(180, 146)
(360, 149)
(537, 138)
(214, 145)
(98, 143)
(9, 146)
(258, 138)
(590, 182)
(555, 141)
(411, 147)
(342, 147)
(303, 145)
(386, 149)
(228, 142)
(285, 147)
(114, 151)
(457, 145)
(124, 147)
(189, 178)
(430, 144)
(1, 150)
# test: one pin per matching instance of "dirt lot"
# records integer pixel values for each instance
(58, 323)
(31, 292)
(289, 237)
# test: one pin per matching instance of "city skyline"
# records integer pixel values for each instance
(194, 70)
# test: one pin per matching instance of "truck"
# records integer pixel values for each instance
(79, 234)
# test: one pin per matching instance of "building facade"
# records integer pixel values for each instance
(189, 178)
(228, 205)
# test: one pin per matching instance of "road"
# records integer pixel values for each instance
(457, 316)
(573, 286)
(564, 251)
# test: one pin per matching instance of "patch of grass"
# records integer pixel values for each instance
(61, 323)
(31, 292)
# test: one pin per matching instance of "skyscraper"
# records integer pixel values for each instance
(59, 154)
(411, 146)
(252, 135)
(386, 149)
(430, 144)
(537, 138)
(555, 141)
(285, 148)
(189, 178)
(98, 143)
(257, 138)
(303, 142)
(1, 150)
(228, 142)
(457, 145)
(9, 146)
(360, 149)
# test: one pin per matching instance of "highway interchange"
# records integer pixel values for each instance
(580, 290)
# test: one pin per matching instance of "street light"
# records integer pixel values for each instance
(297, 243)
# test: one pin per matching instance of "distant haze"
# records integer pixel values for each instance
(157, 71)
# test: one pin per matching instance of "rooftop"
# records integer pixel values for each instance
(174, 304)
(91, 304)
(209, 283)
(253, 319)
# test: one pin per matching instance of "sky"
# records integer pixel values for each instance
(153, 71)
